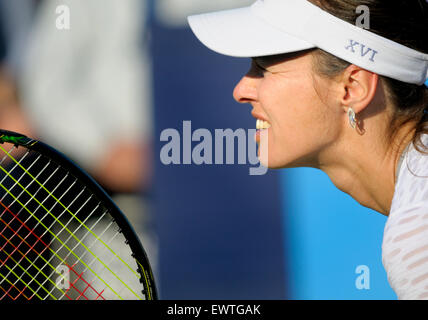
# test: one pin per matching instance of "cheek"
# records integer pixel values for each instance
(292, 105)
(300, 122)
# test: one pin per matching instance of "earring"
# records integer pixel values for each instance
(352, 118)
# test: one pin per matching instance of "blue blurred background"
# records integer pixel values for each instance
(211, 231)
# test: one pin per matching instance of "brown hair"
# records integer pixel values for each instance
(402, 21)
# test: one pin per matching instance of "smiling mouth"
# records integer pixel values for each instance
(261, 124)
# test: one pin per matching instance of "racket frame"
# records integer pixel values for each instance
(138, 252)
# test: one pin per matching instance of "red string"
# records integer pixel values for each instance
(32, 232)
(88, 285)
(23, 224)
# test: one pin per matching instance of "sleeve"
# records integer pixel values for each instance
(406, 259)
(405, 246)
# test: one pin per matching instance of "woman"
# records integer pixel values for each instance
(352, 102)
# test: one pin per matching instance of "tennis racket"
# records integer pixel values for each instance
(61, 235)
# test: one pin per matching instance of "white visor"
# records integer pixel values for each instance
(270, 27)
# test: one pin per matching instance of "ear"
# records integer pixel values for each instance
(359, 86)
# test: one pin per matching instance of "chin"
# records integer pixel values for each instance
(272, 163)
(273, 158)
(269, 162)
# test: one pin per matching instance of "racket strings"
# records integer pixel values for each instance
(22, 224)
(57, 201)
(31, 247)
(61, 246)
(47, 278)
(7, 225)
(91, 280)
(39, 256)
(96, 222)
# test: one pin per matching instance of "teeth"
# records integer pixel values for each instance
(260, 124)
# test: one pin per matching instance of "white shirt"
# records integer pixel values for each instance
(405, 241)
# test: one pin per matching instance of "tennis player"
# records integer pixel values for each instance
(347, 100)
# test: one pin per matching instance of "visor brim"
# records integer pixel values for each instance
(240, 33)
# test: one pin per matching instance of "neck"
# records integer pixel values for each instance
(366, 165)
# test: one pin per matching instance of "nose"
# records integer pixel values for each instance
(246, 90)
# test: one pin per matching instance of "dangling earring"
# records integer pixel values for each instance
(352, 118)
